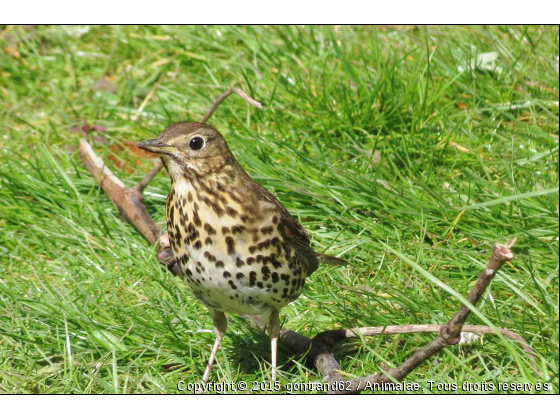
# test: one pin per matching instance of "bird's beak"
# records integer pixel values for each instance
(155, 146)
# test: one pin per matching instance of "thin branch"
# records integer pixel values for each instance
(319, 350)
(449, 333)
(320, 347)
(337, 335)
(218, 101)
(129, 202)
(148, 178)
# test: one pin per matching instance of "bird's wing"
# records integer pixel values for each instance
(291, 230)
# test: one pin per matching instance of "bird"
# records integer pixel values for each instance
(238, 247)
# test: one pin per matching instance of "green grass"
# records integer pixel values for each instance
(409, 151)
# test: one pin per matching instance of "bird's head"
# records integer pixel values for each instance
(191, 150)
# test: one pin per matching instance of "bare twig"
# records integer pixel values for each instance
(129, 202)
(218, 101)
(149, 176)
(448, 334)
(337, 335)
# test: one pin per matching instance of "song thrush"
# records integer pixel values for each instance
(238, 247)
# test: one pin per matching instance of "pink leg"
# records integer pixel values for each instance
(220, 328)
(274, 331)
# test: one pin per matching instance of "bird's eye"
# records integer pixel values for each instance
(196, 143)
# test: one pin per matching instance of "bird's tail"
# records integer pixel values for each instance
(330, 260)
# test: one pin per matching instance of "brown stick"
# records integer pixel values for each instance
(129, 202)
(448, 334)
(218, 101)
(337, 335)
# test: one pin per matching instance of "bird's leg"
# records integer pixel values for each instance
(220, 328)
(274, 331)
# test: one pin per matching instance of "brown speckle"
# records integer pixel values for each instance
(209, 229)
(235, 197)
(196, 219)
(237, 229)
(264, 244)
(217, 209)
(171, 212)
(265, 270)
(267, 230)
(230, 245)
(209, 257)
(231, 212)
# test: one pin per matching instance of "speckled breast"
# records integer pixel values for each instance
(233, 258)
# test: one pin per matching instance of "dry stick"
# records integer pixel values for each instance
(218, 101)
(130, 203)
(148, 177)
(337, 335)
(449, 333)
(320, 347)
